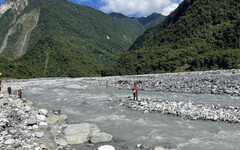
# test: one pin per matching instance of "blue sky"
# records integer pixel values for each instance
(131, 7)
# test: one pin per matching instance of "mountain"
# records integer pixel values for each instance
(60, 38)
(152, 20)
(117, 15)
(198, 35)
(146, 22)
(129, 25)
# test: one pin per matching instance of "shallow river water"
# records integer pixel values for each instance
(130, 128)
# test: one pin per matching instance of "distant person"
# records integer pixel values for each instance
(135, 92)
(20, 93)
(9, 90)
(0, 81)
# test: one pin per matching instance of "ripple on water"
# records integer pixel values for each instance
(110, 117)
(189, 142)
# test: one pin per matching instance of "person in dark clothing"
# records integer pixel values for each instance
(135, 92)
(20, 93)
(9, 90)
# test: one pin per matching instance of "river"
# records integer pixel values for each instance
(87, 103)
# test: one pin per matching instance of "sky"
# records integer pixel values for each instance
(131, 7)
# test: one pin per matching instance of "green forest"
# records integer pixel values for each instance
(68, 40)
(198, 35)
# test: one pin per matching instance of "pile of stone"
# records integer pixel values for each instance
(188, 110)
(208, 82)
(24, 126)
(21, 125)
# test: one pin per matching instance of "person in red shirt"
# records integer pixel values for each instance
(9, 90)
(20, 93)
(135, 92)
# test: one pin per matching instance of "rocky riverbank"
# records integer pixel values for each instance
(209, 82)
(189, 110)
(24, 126)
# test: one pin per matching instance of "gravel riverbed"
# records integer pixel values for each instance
(208, 82)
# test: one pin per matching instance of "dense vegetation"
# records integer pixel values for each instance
(53, 58)
(9, 68)
(152, 20)
(198, 35)
(82, 41)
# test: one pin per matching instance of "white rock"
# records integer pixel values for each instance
(39, 134)
(27, 109)
(61, 142)
(41, 117)
(5, 120)
(9, 142)
(106, 147)
(43, 112)
(139, 145)
(35, 127)
(32, 120)
(30, 128)
(159, 148)
(43, 124)
(38, 148)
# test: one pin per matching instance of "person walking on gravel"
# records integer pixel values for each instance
(9, 90)
(135, 92)
(20, 93)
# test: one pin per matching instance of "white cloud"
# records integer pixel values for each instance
(140, 7)
(167, 10)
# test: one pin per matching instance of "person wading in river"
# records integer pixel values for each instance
(135, 92)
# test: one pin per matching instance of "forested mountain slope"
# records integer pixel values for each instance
(44, 33)
(198, 35)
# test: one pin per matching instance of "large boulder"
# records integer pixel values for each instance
(56, 119)
(80, 133)
(101, 138)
